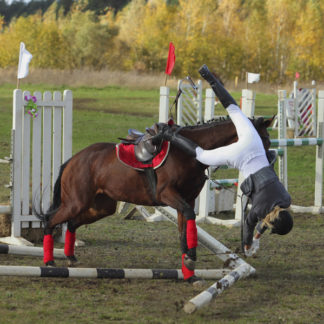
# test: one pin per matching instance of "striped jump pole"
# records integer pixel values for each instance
(220, 183)
(106, 273)
(29, 250)
(216, 289)
(296, 142)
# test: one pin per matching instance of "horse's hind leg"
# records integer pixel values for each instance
(102, 206)
(62, 215)
(69, 243)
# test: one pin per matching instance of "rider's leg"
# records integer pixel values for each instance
(225, 98)
(177, 140)
(243, 125)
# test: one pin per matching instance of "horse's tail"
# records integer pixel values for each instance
(45, 217)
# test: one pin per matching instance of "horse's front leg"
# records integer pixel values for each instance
(188, 242)
(187, 228)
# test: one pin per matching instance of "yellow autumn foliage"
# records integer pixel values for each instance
(275, 38)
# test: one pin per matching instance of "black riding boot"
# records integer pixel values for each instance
(184, 144)
(181, 142)
(224, 97)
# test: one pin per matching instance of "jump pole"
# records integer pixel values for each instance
(106, 273)
(230, 259)
(29, 250)
(216, 289)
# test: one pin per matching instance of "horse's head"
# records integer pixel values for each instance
(261, 126)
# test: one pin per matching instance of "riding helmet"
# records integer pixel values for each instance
(283, 223)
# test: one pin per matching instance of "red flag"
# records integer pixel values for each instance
(171, 60)
(297, 75)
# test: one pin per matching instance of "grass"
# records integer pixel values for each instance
(288, 287)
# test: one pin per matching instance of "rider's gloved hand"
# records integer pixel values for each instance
(166, 134)
(253, 249)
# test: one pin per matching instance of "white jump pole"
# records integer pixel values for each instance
(29, 250)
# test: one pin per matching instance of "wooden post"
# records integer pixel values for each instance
(248, 107)
(296, 123)
(164, 105)
(314, 111)
(205, 191)
(18, 106)
(209, 104)
(199, 102)
(282, 160)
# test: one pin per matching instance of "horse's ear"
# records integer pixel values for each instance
(268, 122)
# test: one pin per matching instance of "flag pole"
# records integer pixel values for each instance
(246, 79)
(166, 79)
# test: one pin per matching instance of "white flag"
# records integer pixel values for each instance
(253, 77)
(24, 59)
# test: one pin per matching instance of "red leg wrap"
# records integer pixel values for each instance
(191, 234)
(48, 246)
(69, 243)
(185, 271)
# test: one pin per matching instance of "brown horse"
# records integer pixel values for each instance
(92, 181)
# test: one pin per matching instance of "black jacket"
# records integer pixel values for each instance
(265, 192)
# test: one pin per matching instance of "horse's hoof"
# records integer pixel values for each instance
(193, 279)
(50, 263)
(196, 281)
(72, 260)
(189, 263)
(199, 283)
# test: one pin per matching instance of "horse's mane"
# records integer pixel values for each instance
(216, 121)
(210, 123)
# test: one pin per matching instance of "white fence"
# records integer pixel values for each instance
(189, 107)
(283, 143)
(190, 104)
(39, 146)
(304, 111)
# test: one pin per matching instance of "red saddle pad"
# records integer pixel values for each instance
(126, 155)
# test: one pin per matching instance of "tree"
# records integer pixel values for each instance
(255, 35)
(309, 41)
(88, 41)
